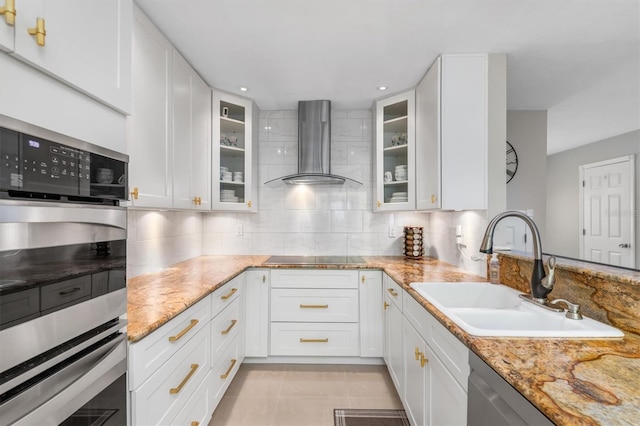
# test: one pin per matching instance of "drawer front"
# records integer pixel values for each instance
(393, 290)
(417, 316)
(223, 371)
(21, 305)
(224, 328)
(313, 339)
(163, 396)
(197, 411)
(147, 355)
(306, 278)
(314, 305)
(58, 295)
(226, 294)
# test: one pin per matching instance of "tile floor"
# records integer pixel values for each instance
(302, 395)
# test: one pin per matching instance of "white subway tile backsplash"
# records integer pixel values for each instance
(360, 113)
(331, 198)
(346, 221)
(346, 129)
(300, 244)
(220, 222)
(283, 129)
(299, 197)
(359, 153)
(331, 244)
(362, 244)
(270, 243)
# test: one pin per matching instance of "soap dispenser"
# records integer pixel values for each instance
(494, 269)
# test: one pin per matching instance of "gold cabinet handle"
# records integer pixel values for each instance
(184, 381)
(233, 322)
(423, 360)
(225, 375)
(9, 12)
(433, 199)
(418, 353)
(228, 295)
(249, 203)
(379, 203)
(195, 423)
(325, 340)
(197, 201)
(135, 193)
(183, 332)
(38, 31)
(386, 305)
(313, 306)
(392, 292)
(362, 279)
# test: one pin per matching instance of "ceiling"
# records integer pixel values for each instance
(578, 59)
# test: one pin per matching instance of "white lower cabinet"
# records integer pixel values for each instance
(257, 312)
(428, 364)
(393, 353)
(178, 373)
(371, 314)
(159, 399)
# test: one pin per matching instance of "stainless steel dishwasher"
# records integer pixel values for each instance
(494, 402)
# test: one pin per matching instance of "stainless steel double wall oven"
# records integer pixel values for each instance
(63, 293)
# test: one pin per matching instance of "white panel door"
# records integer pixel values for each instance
(7, 29)
(87, 45)
(608, 212)
(257, 312)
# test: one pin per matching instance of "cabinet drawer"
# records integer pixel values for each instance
(417, 315)
(223, 371)
(224, 328)
(393, 290)
(314, 305)
(59, 295)
(305, 278)
(226, 294)
(197, 410)
(314, 339)
(161, 398)
(147, 355)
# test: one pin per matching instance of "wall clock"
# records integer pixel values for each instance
(512, 162)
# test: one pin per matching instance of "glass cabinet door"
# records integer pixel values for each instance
(395, 158)
(232, 165)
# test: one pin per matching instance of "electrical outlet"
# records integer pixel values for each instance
(239, 230)
(392, 232)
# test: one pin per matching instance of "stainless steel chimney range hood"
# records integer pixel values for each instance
(314, 149)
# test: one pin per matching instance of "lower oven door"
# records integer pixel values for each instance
(87, 390)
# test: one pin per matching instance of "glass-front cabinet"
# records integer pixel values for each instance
(235, 138)
(394, 173)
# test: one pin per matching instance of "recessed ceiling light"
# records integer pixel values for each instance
(381, 88)
(243, 89)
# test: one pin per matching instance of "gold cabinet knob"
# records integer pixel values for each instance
(38, 31)
(9, 12)
(386, 305)
(423, 360)
(379, 203)
(197, 201)
(249, 203)
(433, 199)
(135, 193)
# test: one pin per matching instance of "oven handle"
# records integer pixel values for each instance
(60, 406)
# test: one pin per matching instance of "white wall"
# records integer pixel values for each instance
(562, 189)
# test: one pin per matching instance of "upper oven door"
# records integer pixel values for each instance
(56, 258)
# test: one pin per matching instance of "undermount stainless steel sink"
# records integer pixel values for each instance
(483, 309)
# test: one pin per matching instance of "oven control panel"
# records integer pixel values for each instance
(32, 164)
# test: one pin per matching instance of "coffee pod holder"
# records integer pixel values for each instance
(413, 242)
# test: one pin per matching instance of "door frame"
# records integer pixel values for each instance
(632, 201)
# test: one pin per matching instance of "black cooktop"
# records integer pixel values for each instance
(315, 260)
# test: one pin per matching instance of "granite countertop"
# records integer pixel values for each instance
(572, 381)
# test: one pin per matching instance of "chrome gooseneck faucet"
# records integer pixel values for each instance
(540, 286)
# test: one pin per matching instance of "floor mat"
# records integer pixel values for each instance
(350, 417)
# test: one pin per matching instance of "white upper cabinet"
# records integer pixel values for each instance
(86, 44)
(235, 160)
(191, 138)
(7, 25)
(394, 164)
(151, 124)
(461, 119)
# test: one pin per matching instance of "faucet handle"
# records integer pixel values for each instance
(549, 281)
(573, 309)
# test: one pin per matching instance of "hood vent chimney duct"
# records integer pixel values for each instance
(314, 148)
